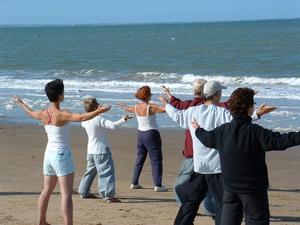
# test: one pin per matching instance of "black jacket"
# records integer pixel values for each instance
(242, 147)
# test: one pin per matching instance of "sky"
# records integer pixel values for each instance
(13, 12)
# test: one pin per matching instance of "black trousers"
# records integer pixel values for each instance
(192, 192)
(255, 206)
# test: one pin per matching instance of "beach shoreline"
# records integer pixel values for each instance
(21, 158)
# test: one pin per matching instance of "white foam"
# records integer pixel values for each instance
(244, 80)
(274, 88)
(284, 130)
(158, 75)
(285, 113)
(9, 107)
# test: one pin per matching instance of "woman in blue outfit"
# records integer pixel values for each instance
(148, 139)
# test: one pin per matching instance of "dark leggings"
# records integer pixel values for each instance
(149, 141)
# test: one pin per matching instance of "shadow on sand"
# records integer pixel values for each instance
(285, 190)
(144, 200)
(123, 199)
(23, 193)
(279, 219)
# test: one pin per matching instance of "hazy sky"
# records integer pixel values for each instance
(142, 11)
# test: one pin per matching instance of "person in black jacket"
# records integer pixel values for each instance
(242, 147)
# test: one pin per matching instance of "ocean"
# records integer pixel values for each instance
(111, 61)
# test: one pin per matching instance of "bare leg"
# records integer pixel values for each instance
(66, 188)
(49, 185)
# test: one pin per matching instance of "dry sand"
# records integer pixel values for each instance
(21, 154)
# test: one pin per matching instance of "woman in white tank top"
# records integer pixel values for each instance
(148, 139)
(58, 160)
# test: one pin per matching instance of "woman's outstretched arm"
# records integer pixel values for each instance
(127, 108)
(157, 109)
(38, 115)
(66, 116)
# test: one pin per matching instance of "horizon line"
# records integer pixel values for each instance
(144, 23)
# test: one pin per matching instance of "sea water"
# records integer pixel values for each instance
(111, 62)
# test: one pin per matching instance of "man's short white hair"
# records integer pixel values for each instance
(198, 85)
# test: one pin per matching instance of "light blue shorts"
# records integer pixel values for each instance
(58, 163)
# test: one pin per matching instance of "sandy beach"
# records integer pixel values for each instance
(21, 158)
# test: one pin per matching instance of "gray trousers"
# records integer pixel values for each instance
(185, 173)
(103, 165)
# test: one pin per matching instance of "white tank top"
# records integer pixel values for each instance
(58, 137)
(147, 122)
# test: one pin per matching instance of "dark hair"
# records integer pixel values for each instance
(240, 101)
(143, 93)
(54, 89)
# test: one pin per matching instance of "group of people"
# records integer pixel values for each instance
(224, 155)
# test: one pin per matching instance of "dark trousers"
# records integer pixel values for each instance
(149, 142)
(255, 207)
(192, 192)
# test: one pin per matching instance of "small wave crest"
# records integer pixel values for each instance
(244, 80)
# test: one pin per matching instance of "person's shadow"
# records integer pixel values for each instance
(145, 200)
(280, 219)
(284, 190)
(16, 193)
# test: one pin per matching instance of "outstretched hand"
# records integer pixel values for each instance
(163, 100)
(128, 117)
(103, 108)
(264, 109)
(195, 124)
(122, 105)
(167, 91)
(17, 99)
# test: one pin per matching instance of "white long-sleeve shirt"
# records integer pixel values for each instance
(96, 131)
(206, 160)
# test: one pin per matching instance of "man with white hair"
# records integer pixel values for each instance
(187, 167)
